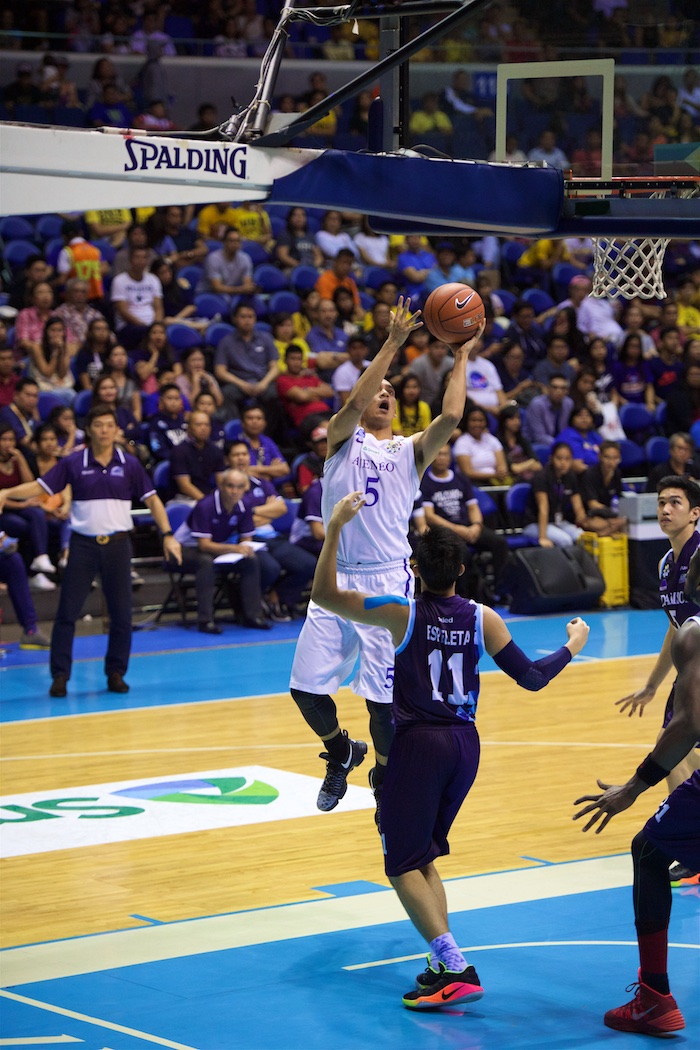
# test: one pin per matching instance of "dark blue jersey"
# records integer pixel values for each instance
(436, 675)
(672, 575)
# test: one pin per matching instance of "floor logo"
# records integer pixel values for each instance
(226, 791)
(201, 800)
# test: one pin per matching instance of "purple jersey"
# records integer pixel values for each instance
(672, 575)
(436, 676)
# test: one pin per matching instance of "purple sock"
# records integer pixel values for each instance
(444, 949)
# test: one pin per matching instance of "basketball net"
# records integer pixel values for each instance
(631, 268)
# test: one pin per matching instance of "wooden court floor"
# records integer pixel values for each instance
(539, 752)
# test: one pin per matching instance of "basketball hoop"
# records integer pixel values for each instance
(632, 268)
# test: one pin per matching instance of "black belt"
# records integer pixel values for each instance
(106, 537)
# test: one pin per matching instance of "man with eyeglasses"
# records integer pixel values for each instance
(548, 413)
(682, 460)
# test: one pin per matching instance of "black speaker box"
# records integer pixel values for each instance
(552, 579)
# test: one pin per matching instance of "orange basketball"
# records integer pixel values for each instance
(453, 311)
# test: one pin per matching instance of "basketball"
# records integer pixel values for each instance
(453, 311)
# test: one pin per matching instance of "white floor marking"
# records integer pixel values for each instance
(96, 1021)
(40, 1040)
(81, 955)
(514, 944)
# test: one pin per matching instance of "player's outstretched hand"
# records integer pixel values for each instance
(347, 507)
(464, 348)
(613, 800)
(403, 322)
(636, 701)
(577, 631)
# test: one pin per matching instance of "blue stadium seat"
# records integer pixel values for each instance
(538, 300)
(191, 274)
(48, 227)
(216, 332)
(82, 403)
(181, 337)
(269, 279)
(209, 305)
(374, 276)
(636, 421)
(542, 453)
(17, 252)
(283, 303)
(562, 273)
(304, 277)
(15, 228)
(517, 498)
(509, 299)
(257, 253)
(47, 403)
(232, 429)
(633, 455)
(657, 450)
(161, 481)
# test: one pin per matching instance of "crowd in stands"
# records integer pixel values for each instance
(228, 337)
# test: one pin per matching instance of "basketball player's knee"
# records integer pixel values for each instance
(646, 855)
(318, 709)
(380, 726)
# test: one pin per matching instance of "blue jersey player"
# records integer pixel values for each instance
(438, 638)
(678, 512)
(673, 831)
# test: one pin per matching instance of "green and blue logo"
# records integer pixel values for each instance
(224, 791)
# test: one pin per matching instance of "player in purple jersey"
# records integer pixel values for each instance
(438, 638)
(673, 831)
(678, 512)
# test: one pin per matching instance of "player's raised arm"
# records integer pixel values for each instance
(530, 674)
(343, 423)
(428, 443)
(391, 611)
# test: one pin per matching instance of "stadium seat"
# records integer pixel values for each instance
(181, 337)
(657, 450)
(373, 276)
(517, 498)
(257, 253)
(509, 299)
(161, 480)
(192, 274)
(538, 300)
(269, 279)
(49, 227)
(562, 274)
(542, 453)
(47, 403)
(209, 305)
(633, 455)
(285, 522)
(216, 332)
(16, 253)
(636, 421)
(233, 429)
(304, 277)
(52, 250)
(106, 249)
(82, 403)
(283, 303)
(15, 228)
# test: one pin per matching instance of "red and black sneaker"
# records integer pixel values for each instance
(447, 989)
(649, 1013)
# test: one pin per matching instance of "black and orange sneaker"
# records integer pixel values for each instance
(649, 1013)
(429, 976)
(679, 875)
(449, 988)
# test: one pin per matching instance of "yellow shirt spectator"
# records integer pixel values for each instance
(213, 220)
(253, 223)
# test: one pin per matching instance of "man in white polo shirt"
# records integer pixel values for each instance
(137, 297)
(104, 481)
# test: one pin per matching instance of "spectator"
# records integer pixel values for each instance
(307, 528)
(484, 385)
(311, 467)
(631, 375)
(431, 369)
(525, 331)
(178, 307)
(136, 237)
(373, 247)
(446, 270)
(521, 461)
(24, 517)
(246, 362)
(207, 118)
(106, 392)
(76, 313)
(564, 325)
(22, 91)
(204, 402)
(50, 367)
(154, 360)
(265, 457)
(22, 413)
(283, 335)
(666, 370)
(295, 245)
(347, 374)
(173, 240)
(151, 32)
(82, 261)
(327, 125)
(548, 414)
(330, 238)
(683, 406)
(228, 271)
(555, 514)
(345, 305)
(35, 271)
(601, 489)
(632, 322)
(215, 220)
(14, 575)
(137, 298)
(412, 414)
(547, 150)
(598, 317)
(377, 334)
(457, 99)
(90, 361)
(682, 461)
(111, 224)
(110, 110)
(537, 262)
(338, 275)
(582, 439)
(555, 361)
(69, 436)
(30, 322)
(516, 381)
(9, 376)
(105, 72)
(56, 88)
(301, 393)
(230, 43)
(253, 224)
(479, 455)
(167, 428)
(196, 464)
(413, 266)
(306, 317)
(194, 379)
(688, 314)
(327, 342)
(128, 395)
(429, 118)
(449, 500)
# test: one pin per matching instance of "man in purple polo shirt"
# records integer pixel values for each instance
(214, 527)
(104, 482)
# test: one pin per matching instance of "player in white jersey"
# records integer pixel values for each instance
(364, 455)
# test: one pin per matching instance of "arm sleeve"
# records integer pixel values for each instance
(531, 674)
